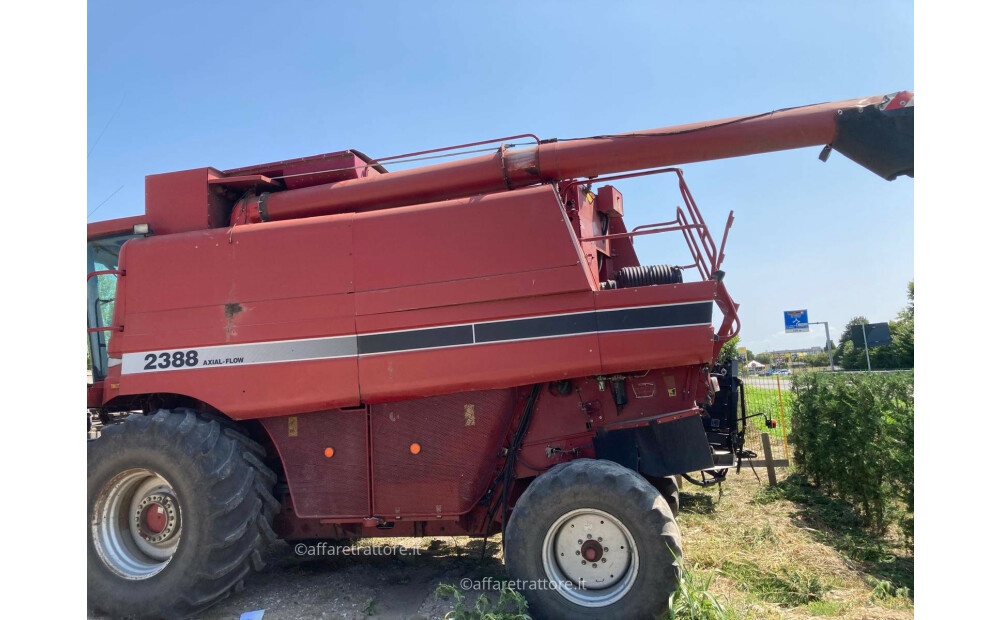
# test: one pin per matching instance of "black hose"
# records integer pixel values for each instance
(648, 275)
(507, 473)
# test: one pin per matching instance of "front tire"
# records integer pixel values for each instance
(180, 509)
(593, 539)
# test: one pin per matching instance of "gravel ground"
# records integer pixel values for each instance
(400, 585)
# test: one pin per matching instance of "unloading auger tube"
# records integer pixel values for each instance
(876, 132)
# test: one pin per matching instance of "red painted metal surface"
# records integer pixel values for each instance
(790, 128)
(458, 435)
(324, 486)
(386, 327)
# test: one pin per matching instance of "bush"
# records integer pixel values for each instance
(853, 436)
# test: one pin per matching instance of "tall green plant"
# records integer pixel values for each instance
(853, 436)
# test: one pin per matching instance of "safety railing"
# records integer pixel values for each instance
(689, 222)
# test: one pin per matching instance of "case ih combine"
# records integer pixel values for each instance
(321, 349)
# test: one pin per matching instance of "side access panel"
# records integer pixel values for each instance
(325, 456)
(435, 457)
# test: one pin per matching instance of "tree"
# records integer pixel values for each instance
(897, 355)
(729, 351)
(846, 356)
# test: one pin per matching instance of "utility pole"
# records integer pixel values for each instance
(829, 351)
(864, 333)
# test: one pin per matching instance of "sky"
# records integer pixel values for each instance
(179, 85)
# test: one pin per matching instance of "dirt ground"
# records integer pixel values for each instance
(786, 552)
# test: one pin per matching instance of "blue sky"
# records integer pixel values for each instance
(182, 85)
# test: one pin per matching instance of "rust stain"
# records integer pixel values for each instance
(231, 310)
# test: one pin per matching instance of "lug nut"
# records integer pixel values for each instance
(599, 539)
(605, 548)
(579, 542)
(589, 536)
(595, 565)
(583, 561)
(578, 553)
(603, 560)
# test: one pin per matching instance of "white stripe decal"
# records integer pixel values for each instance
(439, 337)
(240, 354)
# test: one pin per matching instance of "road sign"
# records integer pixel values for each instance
(876, 334)
(796, 321)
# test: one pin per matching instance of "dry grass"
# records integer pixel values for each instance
(789, 552)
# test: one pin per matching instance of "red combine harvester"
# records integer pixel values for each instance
(321, 349)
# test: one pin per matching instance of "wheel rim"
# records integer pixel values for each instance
(590, 557)
(136, 524)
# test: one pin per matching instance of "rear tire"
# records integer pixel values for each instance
(670, 491)
(180, 509)
(560, 532)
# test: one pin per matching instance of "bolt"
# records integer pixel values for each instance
(599, 539)
(595, 566)
(590, 536)
(605, 548)
(603, 560)
(578, 553)
(583, 561)
(579, 542)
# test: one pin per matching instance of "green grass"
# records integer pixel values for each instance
(511, 605)
(790, 552)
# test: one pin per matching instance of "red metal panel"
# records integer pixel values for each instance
(469, 238)
(512, 286)
(457, 434)
(656, 348)
(257, 391)
(281, 281)
(485, 366)
(672, 346)
(322, 486)
(265, 262)
(182, 201)
(652, 295)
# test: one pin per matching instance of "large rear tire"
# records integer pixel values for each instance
(179, 508)
(670, 491)
(598, 525)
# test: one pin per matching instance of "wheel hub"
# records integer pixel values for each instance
(136, 524)
(593, 551)
(156, 517)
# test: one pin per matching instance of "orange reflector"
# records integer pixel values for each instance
(414, 448)
(328, 452)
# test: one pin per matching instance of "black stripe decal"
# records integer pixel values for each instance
(656, 316)
(579, 323)
(539, 327)
(415, 339)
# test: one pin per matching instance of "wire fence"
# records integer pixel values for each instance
(772, 396)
